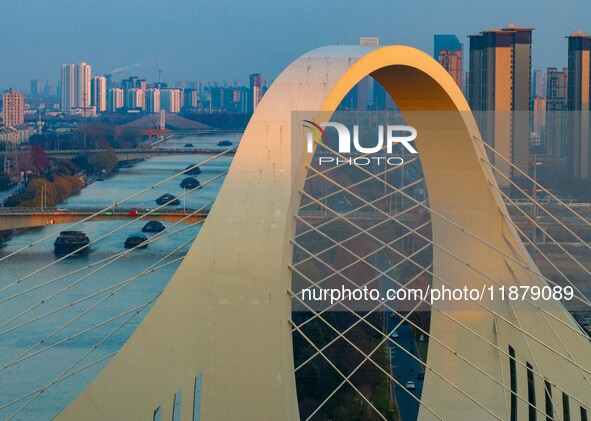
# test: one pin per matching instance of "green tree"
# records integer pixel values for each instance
(104, 161)
(19, 199)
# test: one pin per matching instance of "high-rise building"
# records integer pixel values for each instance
(256, 91)
(449, 51)
(68, 87)
(82, 86)
(232, 99)
(350, 102)
(35, 87)
(452, 63)
(143, 86)
(500, 81)
(75, 86)
(129, 83)
(445, 42)
(364, 93)
(116, 99)
(170, 100)
(134, 82)
(538, 86)
(244, 94)
(48, 89)
(190, 98)
(98, 93)
(134, 98)
(217, 97)
(153, 100)
(556, 113)
(381, 99)
(579, 156)
(538, 120)
(13, 108)
(109, 80)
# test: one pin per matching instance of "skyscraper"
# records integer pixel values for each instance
(13, 108)
(538, 86)
(115, 99)
(170, 100)
(133, 82)
(134, 98)
(82, 86)
(449, 51)
(48, 89)
(445, 42)
(217, 98)
(75, 86)
(556, 115)
(98, 93)
(538, 120)
(256, 91)
(579, 156)
(153, 100)
(500, 81)
(190, 97)
(35, 87)
(68, 87)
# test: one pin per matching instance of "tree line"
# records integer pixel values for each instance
(47, 191)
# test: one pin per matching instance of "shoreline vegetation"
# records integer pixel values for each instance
(62, 179)
(49, 184)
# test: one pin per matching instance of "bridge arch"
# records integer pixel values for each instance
(224, 315)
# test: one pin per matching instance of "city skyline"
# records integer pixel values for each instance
(213, 42)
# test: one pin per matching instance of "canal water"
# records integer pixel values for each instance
(61, 341)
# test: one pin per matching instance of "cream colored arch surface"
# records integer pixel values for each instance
(225, 312)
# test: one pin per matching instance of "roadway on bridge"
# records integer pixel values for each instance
(402, 363)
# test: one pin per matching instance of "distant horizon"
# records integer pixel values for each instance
(117, 77)
(228, 42)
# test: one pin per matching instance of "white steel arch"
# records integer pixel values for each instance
(225, 314)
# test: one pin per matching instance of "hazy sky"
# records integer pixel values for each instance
(228, 40)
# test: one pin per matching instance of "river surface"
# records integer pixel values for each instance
(61, 343)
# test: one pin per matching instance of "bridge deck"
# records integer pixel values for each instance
(14, 218)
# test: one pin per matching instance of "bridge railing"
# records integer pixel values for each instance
(117, 210)
(143, 151)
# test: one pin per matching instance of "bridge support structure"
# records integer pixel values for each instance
(220, 332)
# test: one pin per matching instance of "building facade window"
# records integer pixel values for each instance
(549, 403)
(197, 398)
(513, 375)
(158, 414)
(176, 408)
(531, 392)
(565, 407)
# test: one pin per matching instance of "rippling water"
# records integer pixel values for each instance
(65, 336)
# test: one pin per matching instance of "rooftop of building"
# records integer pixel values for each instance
(578, 34)
(508, 29)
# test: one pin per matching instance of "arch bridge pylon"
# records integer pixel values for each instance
(220, 332)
